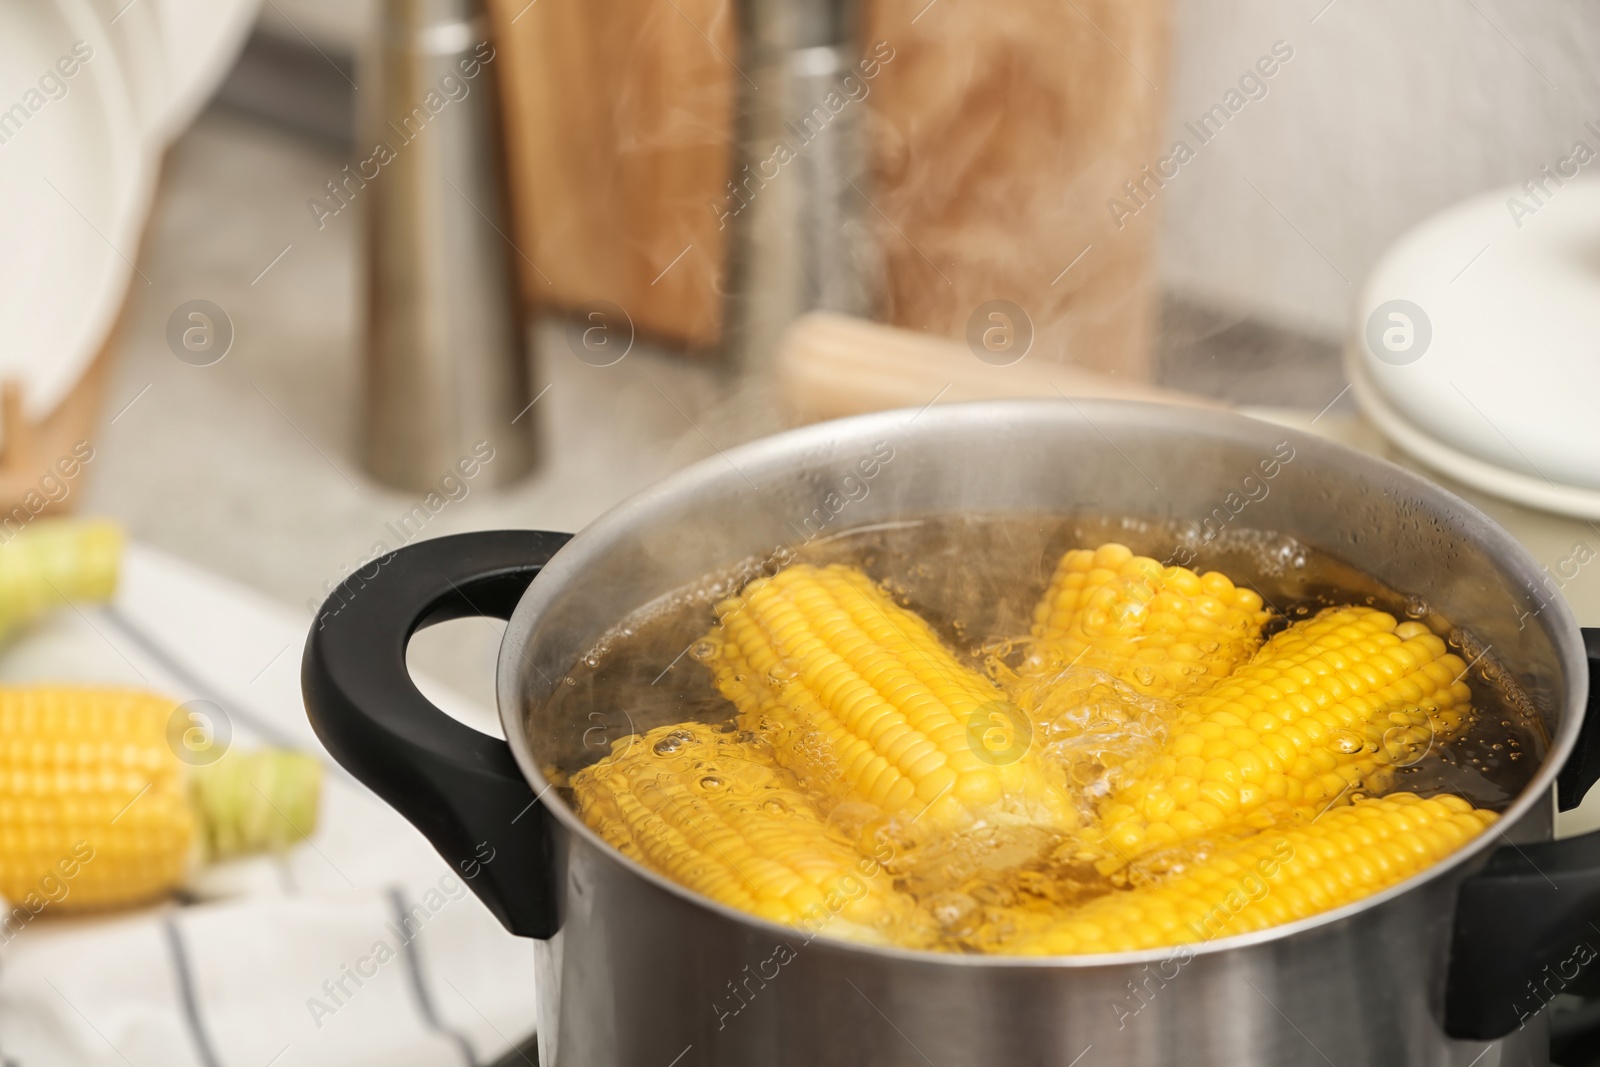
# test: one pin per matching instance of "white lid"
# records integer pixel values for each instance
(1476, 344)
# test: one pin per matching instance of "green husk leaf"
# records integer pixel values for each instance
(251, 802)
(54, 561)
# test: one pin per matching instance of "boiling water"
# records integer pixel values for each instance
(976, 580)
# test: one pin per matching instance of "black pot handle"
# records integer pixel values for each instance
(461, 788)
(1528, 924)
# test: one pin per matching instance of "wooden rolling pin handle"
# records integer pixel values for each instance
(833, 365)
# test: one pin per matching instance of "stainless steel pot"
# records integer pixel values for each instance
(1451, 967)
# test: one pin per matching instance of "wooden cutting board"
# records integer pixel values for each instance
(619, 117)
(998, 131)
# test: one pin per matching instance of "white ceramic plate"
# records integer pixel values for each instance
(201, 39)
(133, 28)
(76, 179)
(1508, 381)
(1502, 482)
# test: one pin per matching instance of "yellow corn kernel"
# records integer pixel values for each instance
(92, 800)
(712, 812)
(861, 701)
(1328, 706)
(1275, 876)
(1165, 631)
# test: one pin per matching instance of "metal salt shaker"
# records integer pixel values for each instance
(801, 239)
(446, 356)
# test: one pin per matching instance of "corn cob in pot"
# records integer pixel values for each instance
(710, 811)
(1277, 876)
(858, 698)
(1165, 631)
(1323, 710)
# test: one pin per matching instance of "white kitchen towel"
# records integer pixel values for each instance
(359, 946)
(406, 977)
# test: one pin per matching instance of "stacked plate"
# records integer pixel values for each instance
(1474, 342)
(91, 91)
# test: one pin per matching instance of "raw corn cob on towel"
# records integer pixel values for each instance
(52, 563)
(266, 954)
(93, 773)
(987, 821)
(95, 789)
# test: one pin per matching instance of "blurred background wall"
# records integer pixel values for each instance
(1453, 97)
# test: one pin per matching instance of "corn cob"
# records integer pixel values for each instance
(711, 811)
(860, 700)
(1326, 707)
(1165, 631)
(94, 798)
(52, 562)
(1273, 877)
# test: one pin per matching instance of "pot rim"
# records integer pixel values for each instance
(568, 563)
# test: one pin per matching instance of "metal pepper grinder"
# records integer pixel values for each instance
(446, 347)
(796, 201)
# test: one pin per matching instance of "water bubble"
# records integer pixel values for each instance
(703, 650)
(950, 909)
(775, 807)
(711, 781)
(671, 743)
(1416, 607)
(1346, 742)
